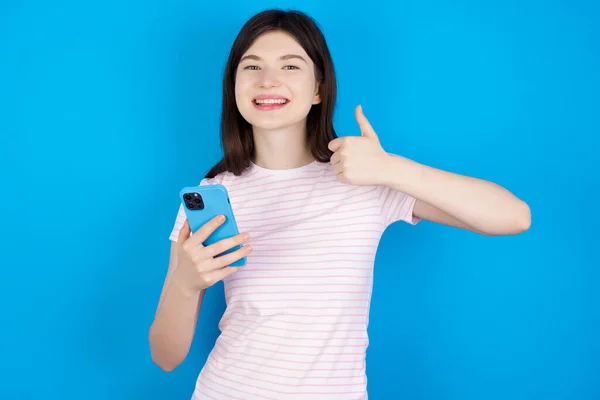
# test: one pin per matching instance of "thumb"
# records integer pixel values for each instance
(184, 232)
(365, 127)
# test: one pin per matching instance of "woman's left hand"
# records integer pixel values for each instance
(359, 160)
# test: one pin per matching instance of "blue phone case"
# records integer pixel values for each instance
(213, 200)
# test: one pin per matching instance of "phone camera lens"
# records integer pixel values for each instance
(194, 201)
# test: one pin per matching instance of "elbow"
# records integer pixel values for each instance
(161, 356)
(165, 365)
(523, 218)
(518, 220)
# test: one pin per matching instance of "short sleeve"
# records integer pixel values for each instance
(181, 218)
(396, 206)
(179, 221)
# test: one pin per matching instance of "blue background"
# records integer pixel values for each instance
(108, 109)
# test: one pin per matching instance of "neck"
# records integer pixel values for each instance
(284, 148)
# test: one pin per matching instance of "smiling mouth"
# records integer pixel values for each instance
(268, 102)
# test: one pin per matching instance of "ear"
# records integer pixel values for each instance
(317, 95)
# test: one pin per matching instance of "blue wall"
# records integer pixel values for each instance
(106, 111)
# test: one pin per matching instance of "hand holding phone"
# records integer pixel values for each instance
(201, 204)
(198, 266)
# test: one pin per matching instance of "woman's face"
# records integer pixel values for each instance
(275, 82)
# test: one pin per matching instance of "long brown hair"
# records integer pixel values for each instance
(237, 139)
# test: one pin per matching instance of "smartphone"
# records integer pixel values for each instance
(203, 203)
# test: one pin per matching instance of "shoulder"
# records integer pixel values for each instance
(212, 181)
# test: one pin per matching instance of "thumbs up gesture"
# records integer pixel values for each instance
(359, 160)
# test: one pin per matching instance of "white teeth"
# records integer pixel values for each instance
(270, 101)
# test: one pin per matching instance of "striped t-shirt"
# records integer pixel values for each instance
(295, 325)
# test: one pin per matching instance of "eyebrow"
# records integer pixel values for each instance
(284, 57)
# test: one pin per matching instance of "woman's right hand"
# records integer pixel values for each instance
(197, 266)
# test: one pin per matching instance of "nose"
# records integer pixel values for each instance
(268, 78)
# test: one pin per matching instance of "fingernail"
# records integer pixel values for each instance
(221, 218)
(246, 237)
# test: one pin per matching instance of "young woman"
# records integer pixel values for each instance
(311, 208)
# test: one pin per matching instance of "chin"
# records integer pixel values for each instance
(259, 120)
(271, 125)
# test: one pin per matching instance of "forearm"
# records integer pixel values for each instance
(483, 205)
(174, 325)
